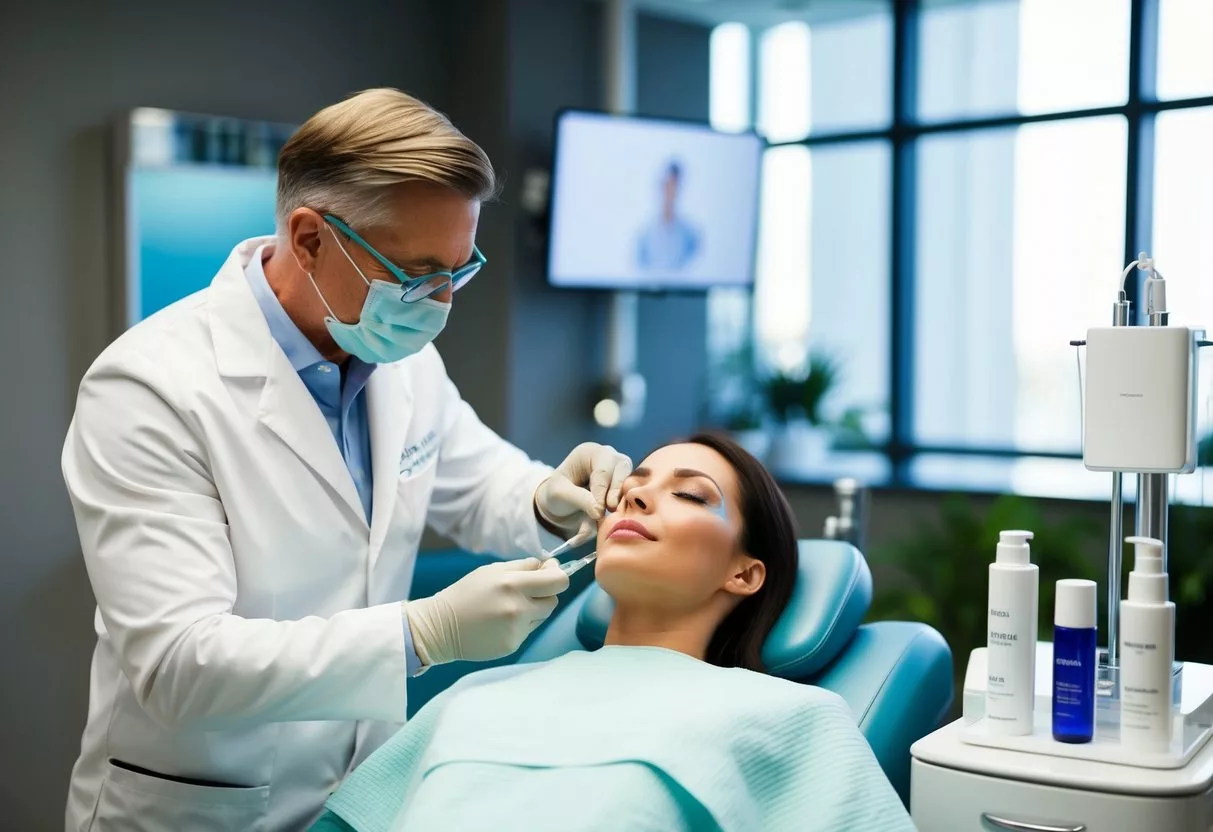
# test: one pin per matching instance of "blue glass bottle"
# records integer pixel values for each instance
(1074, 661)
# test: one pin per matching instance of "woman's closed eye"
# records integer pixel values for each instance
(694, 498)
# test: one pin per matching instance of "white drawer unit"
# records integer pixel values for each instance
(957, 786)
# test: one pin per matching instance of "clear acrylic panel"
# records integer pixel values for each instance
(1021, 56)
(1019, 244)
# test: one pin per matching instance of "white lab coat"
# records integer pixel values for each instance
(248, 620)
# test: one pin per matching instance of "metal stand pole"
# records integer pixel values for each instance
(1120, 317)
(1114, 557)
(1153, 497)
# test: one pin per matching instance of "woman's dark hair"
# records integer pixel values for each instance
(768, 534)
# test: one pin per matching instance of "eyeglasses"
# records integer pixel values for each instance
(416, 288)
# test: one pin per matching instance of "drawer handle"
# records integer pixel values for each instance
(997, 823)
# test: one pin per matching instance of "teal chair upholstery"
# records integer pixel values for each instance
(896, 676)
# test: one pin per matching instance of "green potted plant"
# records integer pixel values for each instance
(795, 400)
(939, 574)
(746, 421)
(850, 431)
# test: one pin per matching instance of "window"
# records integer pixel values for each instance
(950, 191)
(823, 271)
(1185, 31)
(1019, 237)
(1021, 56)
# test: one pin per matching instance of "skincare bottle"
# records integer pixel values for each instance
(1147, 648)
(1011, 637)
(1074, 661)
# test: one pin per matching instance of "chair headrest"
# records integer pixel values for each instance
(832, 593)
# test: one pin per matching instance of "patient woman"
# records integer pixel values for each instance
(673, 724)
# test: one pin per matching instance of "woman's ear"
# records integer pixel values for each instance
(748, 577)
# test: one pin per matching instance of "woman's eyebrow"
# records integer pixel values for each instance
(689, 473)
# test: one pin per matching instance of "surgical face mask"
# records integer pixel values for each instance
(388, 329)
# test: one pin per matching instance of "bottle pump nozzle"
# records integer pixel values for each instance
(1147, 581)
(1013, 547)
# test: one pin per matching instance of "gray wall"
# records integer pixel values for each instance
(478, 101)
(68, 68)
(555, 61)
(559, 336)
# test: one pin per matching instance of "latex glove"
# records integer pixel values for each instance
(572, 499)
(487, 613)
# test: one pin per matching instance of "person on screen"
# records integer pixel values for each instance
(669, 242)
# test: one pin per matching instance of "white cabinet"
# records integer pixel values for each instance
(957, 787)
(944, 800)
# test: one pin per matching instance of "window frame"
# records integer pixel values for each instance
(902, 135)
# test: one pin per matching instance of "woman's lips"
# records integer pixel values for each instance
(632, 529)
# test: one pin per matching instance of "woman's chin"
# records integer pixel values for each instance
(624, 570)
(628, 555)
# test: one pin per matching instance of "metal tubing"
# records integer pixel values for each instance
(1153, 503)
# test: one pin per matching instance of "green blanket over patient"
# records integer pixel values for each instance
(623, 738)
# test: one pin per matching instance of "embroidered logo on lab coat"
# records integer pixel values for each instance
(415, 458)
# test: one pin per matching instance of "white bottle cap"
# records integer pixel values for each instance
(1074, 606)
(1147, 581)
(1013, 547)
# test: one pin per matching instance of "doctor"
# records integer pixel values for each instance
(251, 470)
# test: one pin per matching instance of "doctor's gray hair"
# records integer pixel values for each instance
(345, 157)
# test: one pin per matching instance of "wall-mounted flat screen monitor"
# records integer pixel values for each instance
(652, 204)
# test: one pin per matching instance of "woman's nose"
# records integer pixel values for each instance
(635, 497)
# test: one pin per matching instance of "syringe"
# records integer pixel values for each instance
(571, 543)
(576, 565)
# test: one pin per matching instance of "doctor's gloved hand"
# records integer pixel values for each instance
(571, 501)
(487, 613)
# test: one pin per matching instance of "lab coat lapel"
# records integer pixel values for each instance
(288, 409)
(244, 348)
(389, 410)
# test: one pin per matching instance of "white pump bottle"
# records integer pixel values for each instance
(1011, 637)
(1147, 649)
